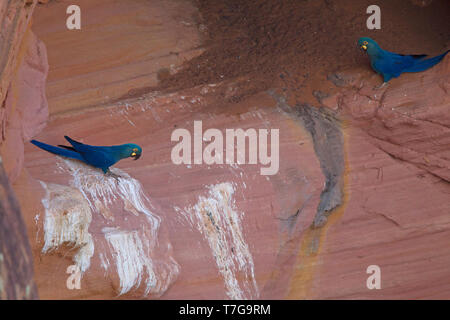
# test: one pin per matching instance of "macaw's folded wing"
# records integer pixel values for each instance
(81, 147)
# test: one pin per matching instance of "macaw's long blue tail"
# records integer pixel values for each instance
(424, 64)
(58, 151)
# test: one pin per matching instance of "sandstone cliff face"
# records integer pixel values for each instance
(362, 180)
(22, 59)
(23, 70)
(25, 109)
(16, 262)
(15, 16)
(123, 46)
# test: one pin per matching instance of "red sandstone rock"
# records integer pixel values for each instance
(26, 109)
(16, 267)
(396, 217)
(14, 18)
(122, 46)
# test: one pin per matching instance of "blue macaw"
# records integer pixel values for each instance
(99, 157)
(391, 65)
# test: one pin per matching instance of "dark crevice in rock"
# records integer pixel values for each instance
(290, 222)
(16, 261)
(328, 144)
(328, 141)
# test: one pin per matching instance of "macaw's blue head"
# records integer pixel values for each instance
(368, 45)
(133, 150)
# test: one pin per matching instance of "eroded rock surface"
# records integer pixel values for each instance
(20, 57)
(25, 109)
(123, 46)
(16, 261)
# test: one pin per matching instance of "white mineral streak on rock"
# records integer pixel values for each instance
(100, 188)
(101, 191)
(134, 263)
(216, 218)
(104, 262)
(132, 251)
(67, 219)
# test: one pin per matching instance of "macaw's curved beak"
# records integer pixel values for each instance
(364, 47)
(135, 155)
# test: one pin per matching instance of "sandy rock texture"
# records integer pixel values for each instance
(25, 109)
(23, 70)
(16, 262)
(123, 46)
(15, 17)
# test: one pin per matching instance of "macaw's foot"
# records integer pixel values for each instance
(384, 84)
(113, 175)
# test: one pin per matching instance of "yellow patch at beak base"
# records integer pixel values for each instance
(133, 154)
(364, 47)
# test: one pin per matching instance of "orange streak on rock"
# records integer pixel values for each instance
(308, 259)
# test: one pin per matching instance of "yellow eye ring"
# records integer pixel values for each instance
(365, 43)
